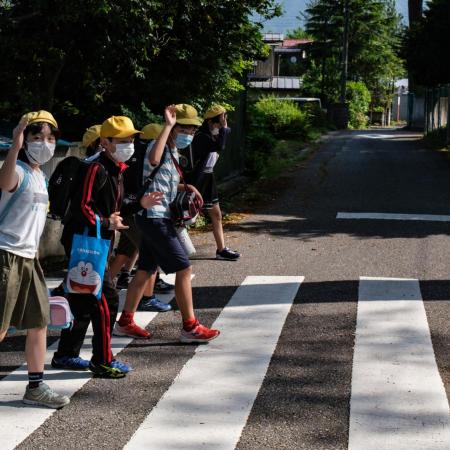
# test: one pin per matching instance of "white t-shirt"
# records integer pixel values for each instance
(22, 228)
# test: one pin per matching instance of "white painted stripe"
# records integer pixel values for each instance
(19, 421)
(387, 216)
(398, 400)
(208, 404)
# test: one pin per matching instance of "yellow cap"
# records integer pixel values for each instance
(91, 135)
(118, 127)
(40, 116)
(214, 111)
(187, 115)
(151, 131)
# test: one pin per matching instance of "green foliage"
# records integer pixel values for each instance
(278, 116)
(358, 97)
(269, 121)
(427, 49)
(141, 116)
(89, 59)
(374, 42)
(298, 33)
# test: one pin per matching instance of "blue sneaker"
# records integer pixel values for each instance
(153, 304)
(70, 363)
(125, 368)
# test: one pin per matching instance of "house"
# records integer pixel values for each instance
(281, 72)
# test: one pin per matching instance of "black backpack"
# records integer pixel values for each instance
(66, 178)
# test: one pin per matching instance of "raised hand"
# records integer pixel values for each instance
(18, 136)
(170, 115)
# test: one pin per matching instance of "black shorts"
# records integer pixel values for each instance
(206, 184)
(130, 240)
(160, 246)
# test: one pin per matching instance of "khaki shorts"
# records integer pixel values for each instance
(23, 293)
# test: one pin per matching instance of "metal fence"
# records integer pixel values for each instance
(437, 110)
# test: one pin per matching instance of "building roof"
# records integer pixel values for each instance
(289, 43)
(277, 83)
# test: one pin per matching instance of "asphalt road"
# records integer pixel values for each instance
(304, 401)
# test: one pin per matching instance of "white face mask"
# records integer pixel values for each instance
(39, 152)
(215, 131)
(123, 152)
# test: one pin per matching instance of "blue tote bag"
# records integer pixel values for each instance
(87, 263)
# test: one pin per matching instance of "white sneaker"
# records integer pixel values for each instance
(43, 395)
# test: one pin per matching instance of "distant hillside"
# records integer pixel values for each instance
(293, 8)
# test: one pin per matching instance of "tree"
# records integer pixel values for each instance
(374, 41)
(427, 46)
(415, 11)
(89, 59)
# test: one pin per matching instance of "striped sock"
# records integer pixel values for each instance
(35, 379)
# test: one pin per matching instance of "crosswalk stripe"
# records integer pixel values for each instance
(389, 216)
(398, 400)
(209, 402)
(17, 420)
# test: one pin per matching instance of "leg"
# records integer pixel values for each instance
(183, 293)
(149, 286)
(136, 289)
(216, 218)
(2, 335)
(117, 263)
(72, 338)
(132, 261)
(35, 348)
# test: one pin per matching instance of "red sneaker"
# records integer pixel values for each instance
(131, 330)
(199, 334)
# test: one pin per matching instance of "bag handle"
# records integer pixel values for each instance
(97, 228)
(18, 191)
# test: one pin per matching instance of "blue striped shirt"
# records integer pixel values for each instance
(166, 181)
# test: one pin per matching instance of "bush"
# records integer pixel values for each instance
(278, 116)
(358, 97)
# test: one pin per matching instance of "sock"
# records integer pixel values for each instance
(35, 379)
(189, 324)
(126, 318)
(147, 297)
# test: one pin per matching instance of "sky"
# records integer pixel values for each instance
(292, 9)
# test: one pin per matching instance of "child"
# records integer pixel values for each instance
(99, 194)
(208, 142)
(160, 245)
(23, 293)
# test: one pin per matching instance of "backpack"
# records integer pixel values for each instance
(63, 183)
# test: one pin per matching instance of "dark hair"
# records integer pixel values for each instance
(215, 119)
(92, 148)
(36, 128)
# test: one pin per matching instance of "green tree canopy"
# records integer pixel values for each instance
(428, 52)
(88, 59)
(374, 41)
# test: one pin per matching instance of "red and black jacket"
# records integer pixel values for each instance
(99, 192)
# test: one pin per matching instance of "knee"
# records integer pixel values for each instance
(215, 213)
(185, 273)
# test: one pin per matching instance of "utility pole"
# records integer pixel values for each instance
(344, 53)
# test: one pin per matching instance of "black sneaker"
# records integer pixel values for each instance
(123, 280)
(106, 370)
(227, 254)
(161, 287)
